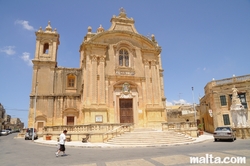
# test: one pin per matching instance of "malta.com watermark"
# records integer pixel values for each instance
(210, 159)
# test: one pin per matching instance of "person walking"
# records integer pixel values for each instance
(62, 140)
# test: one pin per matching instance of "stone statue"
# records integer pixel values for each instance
(235, 97)
(126, 88)
(238, 112)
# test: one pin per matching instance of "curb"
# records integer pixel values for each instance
(95, 145)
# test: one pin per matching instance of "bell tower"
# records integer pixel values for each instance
(46, 45)
(45, 60)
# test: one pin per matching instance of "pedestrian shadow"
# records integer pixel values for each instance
(64, 155)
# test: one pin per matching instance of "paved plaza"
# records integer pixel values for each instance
(20, 152)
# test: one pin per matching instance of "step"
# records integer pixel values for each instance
(147, 137)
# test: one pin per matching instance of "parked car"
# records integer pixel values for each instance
(222, 133)
(29, 134)
(4, 133)
(9, 131)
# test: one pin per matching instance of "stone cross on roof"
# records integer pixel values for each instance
(122, 10)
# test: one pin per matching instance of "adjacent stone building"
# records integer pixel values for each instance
(16, 124)
(7, 123)
(2, 115)
(120, 79)
(182, 113)
(215, 104)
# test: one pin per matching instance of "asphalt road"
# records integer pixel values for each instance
(20, 152)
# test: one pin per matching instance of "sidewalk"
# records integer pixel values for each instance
(206, 136)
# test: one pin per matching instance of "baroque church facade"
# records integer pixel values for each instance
(120, 79)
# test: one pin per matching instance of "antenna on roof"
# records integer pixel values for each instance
(180, 96)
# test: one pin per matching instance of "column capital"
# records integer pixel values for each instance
(102, 58)
(146, 61)
(93, 58)
(153, 62)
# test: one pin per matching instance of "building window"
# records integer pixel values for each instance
(226, 119)
(46, 48)
(223, 100)
(71, 81)
(123, 58)
(243, 101)
(70, 120)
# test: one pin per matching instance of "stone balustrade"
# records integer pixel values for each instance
(188, 128)
(243, 133)
(233, 79)
(95, 132)
(117, 131)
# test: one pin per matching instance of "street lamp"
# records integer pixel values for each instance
(194, 108)
(33, 134)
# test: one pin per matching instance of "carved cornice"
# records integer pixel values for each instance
(71, 110)
(44, 62)
(92, 108)
(123, 32)
(52, 37)
(45, 40)
(156, 51)
(91, 44)
(57, 95)
(123, 78)
(41, 117)
(70, 70)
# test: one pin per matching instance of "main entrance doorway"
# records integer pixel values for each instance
(126, 111)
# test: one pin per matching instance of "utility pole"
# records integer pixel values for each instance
(33, 133)
(194, 108)
(180, 96)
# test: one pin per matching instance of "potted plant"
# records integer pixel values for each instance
(200, 129)
(48, 137)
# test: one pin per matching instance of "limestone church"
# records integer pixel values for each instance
(119, 80)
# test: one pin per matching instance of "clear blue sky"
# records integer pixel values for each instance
(200, 40)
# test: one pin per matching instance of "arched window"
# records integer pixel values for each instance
(71, 81)
(46, 48)
(123, 58)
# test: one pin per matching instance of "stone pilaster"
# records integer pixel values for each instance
(87, 81)
(34, 79)
(53, 51)
(147, 76)
(37, 49)
(41, 50)
(94, 80)
(155, 84)
(102, 80)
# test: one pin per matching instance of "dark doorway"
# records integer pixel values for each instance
(126, 111)
(70, 120)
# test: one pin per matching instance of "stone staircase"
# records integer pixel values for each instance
(150, 137)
